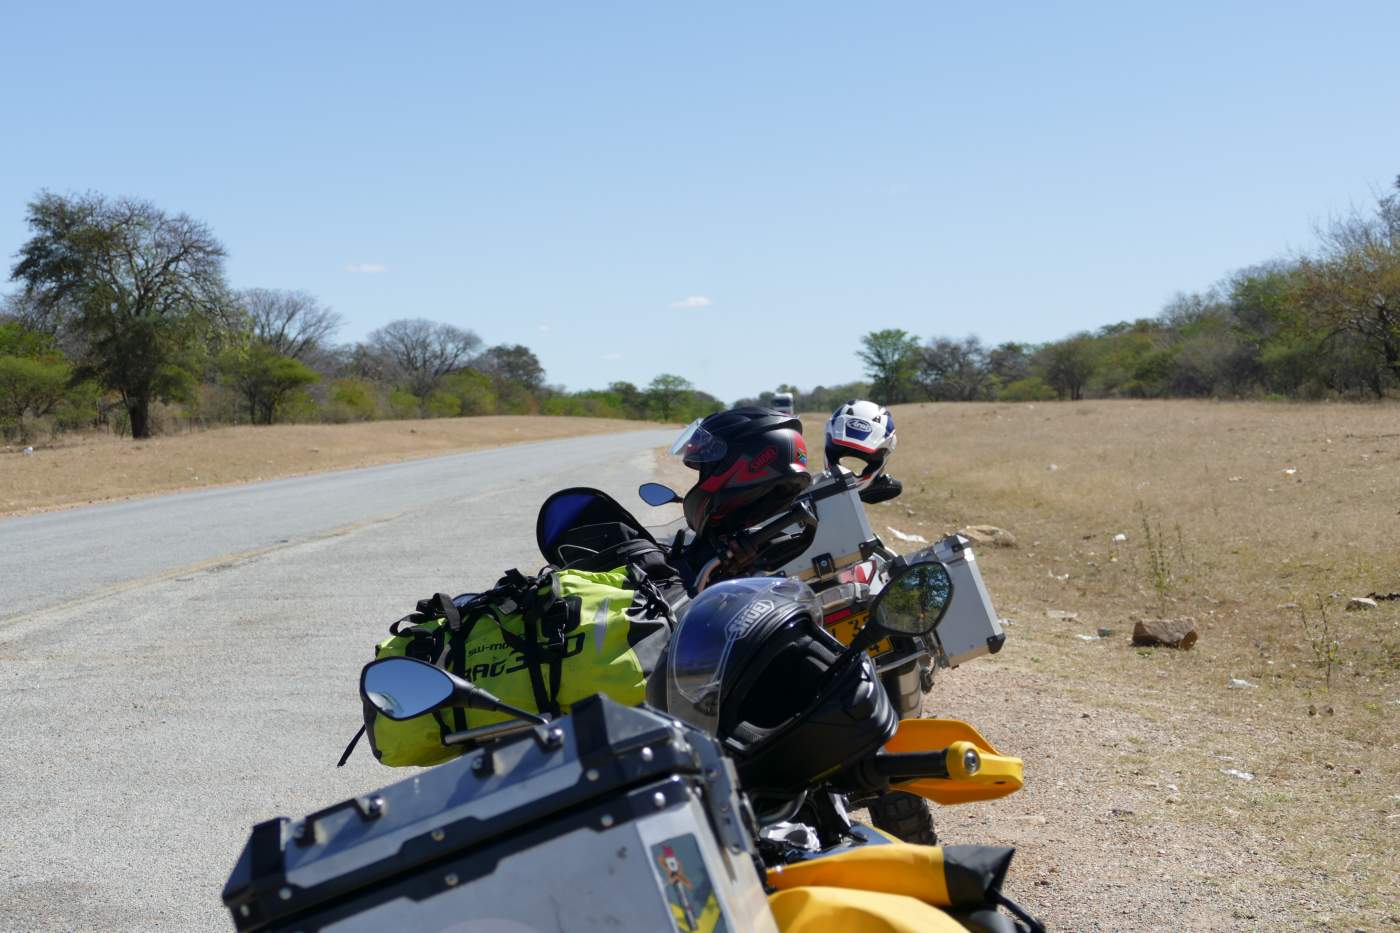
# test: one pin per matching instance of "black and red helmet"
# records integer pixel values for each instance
(752, 464)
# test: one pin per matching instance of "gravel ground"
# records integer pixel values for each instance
(1127, 819)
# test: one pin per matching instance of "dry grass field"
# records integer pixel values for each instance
(1251, 782)
(82, 469)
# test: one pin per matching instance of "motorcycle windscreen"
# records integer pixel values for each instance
(998, 776)
(578, 522)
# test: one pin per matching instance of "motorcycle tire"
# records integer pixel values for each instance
(904, 816)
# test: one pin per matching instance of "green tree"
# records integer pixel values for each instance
(475, 391)
(1009, 362)
(265, 379)
(890, 358)
(30, 388)
(697, 404)
(512, 363)
(1352, 289)
(632, 399)
(1027, 389)
(352, 400)
(18, 340)
(1266, 323)
(441, 404)
(666, 394)
(404, 404)
(1067, 366)
(139, 289)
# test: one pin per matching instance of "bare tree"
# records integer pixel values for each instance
(421, 352)
(292, 323)
(1353, 288)
(954, 370)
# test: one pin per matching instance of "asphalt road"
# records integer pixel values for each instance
(173, 670)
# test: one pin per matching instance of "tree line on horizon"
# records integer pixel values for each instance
(1315, 326)
(124, 320)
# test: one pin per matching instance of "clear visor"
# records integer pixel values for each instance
(701, 648)
(698, 445)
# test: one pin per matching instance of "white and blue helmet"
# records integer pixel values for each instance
(862, 431)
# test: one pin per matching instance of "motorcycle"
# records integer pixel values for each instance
(623, 818)
(825, 539)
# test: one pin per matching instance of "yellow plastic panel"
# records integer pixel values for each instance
(999, 775)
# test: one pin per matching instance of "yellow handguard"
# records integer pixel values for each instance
(976, 770)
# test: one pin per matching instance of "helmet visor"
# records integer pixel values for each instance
(696, 445)
(702, 647)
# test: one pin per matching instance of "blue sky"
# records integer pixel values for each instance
(734, 194)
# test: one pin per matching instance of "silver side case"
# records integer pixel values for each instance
(970, 628)
(616, 819)
(844, 536)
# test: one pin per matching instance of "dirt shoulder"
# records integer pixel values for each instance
(1248, 783)
(84, 470)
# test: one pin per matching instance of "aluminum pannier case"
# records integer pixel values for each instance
(970, 628)
(843, 538)
(613, 818)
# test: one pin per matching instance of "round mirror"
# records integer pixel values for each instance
(914, 602)
(657, 494)
(402, 688)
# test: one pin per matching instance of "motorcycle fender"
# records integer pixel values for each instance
(823, 909)
(998, 776)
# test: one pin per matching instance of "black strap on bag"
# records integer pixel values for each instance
(445, 645)
(528, 647)
(453, 657)
(345, 756)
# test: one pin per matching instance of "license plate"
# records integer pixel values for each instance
(845, 630)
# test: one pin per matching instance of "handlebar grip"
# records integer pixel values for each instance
(907, 766)
(960, 761)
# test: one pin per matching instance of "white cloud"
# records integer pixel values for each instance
(367, 268)
(694, 301)
(545, 328)
(612, 356)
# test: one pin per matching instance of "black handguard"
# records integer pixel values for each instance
(882, 489)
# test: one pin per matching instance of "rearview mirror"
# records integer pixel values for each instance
(402, 688)
(914, 600)
(658, 494)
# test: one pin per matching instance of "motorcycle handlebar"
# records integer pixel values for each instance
(905, 766)
(800, 514)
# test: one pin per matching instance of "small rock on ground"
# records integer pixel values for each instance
(989, 534)
(1360, 604)
(1174, 633)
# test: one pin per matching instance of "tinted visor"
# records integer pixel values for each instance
(696, 445)
(703, 647)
